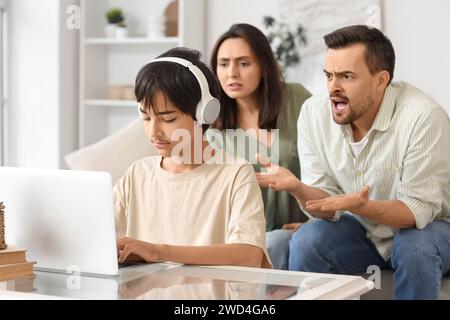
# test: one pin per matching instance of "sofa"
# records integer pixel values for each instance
(115, 153)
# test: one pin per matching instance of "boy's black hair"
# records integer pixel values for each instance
(175, 82)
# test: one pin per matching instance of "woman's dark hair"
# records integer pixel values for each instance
(270, 90)
(175, 81)
(379, 54)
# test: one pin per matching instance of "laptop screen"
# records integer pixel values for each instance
(64, 218)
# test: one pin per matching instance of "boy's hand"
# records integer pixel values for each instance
(129, 249)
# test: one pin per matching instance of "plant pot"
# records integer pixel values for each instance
(110, 30)
(121, 32)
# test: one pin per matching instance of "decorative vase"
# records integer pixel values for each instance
(121, 32)
(110, 30)
(156, 26)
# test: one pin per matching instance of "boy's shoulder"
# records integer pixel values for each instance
(222, 158)
(233, 165)
(144, 165)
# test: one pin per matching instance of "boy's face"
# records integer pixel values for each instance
(164, 124)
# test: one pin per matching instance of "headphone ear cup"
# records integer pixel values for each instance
(208, 108)
(139, 110)
(208, 112)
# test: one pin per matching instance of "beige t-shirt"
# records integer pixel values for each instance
(212, 204)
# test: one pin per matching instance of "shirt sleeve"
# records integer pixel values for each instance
(247, 223)
(426, 168)
(314, 172)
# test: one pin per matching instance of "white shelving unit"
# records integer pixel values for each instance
(109, 41)
(109, 103)
(106, 62)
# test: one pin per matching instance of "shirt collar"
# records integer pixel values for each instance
(383, 119)
(384, 116)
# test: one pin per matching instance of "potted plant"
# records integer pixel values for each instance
(121, 30)
(114, 17)
(285, 42)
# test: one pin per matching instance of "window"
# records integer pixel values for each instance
(3, 88)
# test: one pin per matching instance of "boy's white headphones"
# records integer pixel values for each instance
(209, 107)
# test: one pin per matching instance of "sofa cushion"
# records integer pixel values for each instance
(115, 153)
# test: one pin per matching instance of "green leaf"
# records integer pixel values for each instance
(114, 15)
(285, 41)
(268, 21)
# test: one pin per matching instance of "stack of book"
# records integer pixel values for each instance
(2, 227)
(13, 264)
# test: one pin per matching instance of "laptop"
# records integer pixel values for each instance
(64, 218)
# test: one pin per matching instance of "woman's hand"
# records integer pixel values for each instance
(276, 177)
(129, 249)
(292, 226)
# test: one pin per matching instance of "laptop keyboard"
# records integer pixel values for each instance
(128, 264)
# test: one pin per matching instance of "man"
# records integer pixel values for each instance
(374, 169)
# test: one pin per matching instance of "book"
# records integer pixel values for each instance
(22, 284)
(12, 254)
(16, 270)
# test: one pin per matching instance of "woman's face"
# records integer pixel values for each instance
(238, 69)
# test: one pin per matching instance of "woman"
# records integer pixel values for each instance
(255, 96)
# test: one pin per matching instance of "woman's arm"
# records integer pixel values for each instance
(221, 254)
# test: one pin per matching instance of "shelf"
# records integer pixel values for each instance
(110, 103)
(106, 62)
(113, 41)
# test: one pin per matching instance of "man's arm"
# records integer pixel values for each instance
(221, 254)
(281, 179)
(391, 213)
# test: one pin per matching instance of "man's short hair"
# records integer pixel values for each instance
(379, 54)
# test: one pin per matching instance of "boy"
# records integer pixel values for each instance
(173, 209)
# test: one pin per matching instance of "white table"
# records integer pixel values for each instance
(174, 281)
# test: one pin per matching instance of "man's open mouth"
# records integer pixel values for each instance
(339, 104)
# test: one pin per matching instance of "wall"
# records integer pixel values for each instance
(221, 14)
(42, 84)
(419, 31)
(33, 100)
(67, 82)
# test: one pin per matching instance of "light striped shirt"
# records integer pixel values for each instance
(405, 157)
